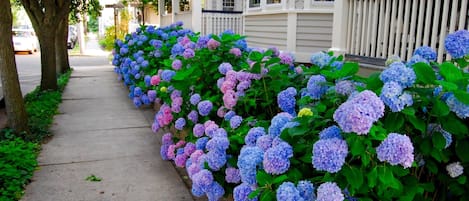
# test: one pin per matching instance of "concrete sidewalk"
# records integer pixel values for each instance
(99, 132)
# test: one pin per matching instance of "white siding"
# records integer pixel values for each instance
(266, 30)
(314, 32)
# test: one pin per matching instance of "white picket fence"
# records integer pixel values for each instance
(380, 28)
(216, 22)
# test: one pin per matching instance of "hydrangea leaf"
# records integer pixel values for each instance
(354, 176)
(394, 122)
(462, 150)
(439, 141)
(372, 177)
(348, 69)
(462, 96)
(450, 72)
(280, 179)
(424, 73)
(453, 125)
(267, 196)
(440, 109)
(449, 86)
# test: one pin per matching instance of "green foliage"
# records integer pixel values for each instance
(17, 164)
(93, 178)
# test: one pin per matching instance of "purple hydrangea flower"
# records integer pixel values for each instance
(193, 116)
(288, 191)
(204, 107)
(232, 175)
(286, 100)
(137, 92)
(167, 139)
(399, 73)
(180, 160)
(229, 115)
(203, 178)
(278, 122)
(212, 44)
(359, 112)
(345, 87)
(329, 191)
(426, 52)
(167, 75)
(188, 53)
(236, 121)
(306, 189)
(316, 86)
(180, 123)
(198, 130)
(137, 102)
(286, 58)
(242, 191)
(396, 149)
(264, 142)
(189, 148)
(215, 192)
(197, 191)
(194, 99)
(177, 64)
(392, 96)
(177, 49)
(235, 51)
(320, 59)
(218, 144)
(253, 134)
(457, 44)
(330, 132)
(455, 169)
(329, 154)
(224, 67)
(277, 159)
(164, 152)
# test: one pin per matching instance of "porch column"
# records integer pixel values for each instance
(340, 27)
(263, 4)
(160, 12)
(292, 22)
(175, 10)
(196, 15)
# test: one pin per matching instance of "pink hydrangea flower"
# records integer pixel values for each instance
(155, 80)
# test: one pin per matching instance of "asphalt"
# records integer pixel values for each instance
(99, 132)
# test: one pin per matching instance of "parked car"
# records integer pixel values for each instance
(72, 37)
(25, 40)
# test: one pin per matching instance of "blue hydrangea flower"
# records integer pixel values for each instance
(277, 159)
(145, 100)
(137, 102)
(337, 65)
(218, 144)
(457, 44)
(329, 191)
(193, 116)
(455, 169)
(230, 114)
(399, 73)
(286, 100)
(180, 123)
(288, 192)
(201, 143)
(236, 121)
(306, 189)
(459, 108)
(198, 130)
(167, 75)
(345, 87)
(137, 91)
(215, 192)
(264, 142)
(291, 124)
(253, 134)
(241, 44)
(224, 67)
(177, 49)
(426, 52)
(320, 59)
(197, 191)
(242, 191)
(248, 160)
(147, 80)
(330, 132)
(396, 149)
(316, 86)
(215, 159)
(194, 99)
(392, 96)
(329, 154)
(204, 107)
(416, 59)
(278, 122)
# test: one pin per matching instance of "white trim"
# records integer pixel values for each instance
(258, 12)
(292, 20)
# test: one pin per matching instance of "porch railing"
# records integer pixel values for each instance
(216, 22)
(380, 28)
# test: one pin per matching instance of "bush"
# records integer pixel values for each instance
(248, 122)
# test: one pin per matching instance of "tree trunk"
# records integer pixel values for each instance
(61, 55)
(14, 103)
(46, 17)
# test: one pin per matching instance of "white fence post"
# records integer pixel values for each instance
(340, 27)
(196, 15)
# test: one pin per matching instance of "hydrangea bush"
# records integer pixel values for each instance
(257, 126)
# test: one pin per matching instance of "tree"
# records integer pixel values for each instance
(46, 16)
(14, 103)
(61, 56)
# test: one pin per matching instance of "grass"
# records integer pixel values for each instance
(17, 155)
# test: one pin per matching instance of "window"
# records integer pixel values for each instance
(168, 7)
(273, 1)
(184, 5)
(254, 3)
(228, 5)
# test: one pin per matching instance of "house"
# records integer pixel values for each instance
(366, 30)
